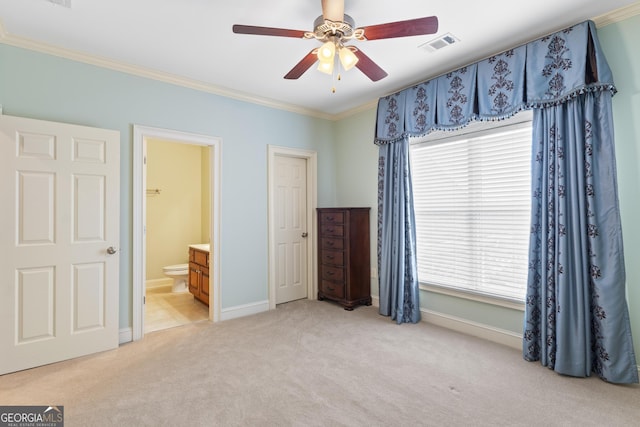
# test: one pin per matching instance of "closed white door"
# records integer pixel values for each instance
(291, 228)
(59, 233)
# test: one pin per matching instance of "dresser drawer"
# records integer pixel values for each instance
(332, 290)
(332, 257)
(332, 273)
(331, 230)
(331, 218)
(329, 243)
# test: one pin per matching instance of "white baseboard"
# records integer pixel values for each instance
(154, 283)
(125, 335)
(489, 333)
(244, 310)
(480, 330)
(497, 335)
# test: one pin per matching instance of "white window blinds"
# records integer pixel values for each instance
(472, 206)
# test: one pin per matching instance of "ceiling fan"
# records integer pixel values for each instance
(333, 29)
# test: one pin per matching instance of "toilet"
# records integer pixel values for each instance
(180, 275)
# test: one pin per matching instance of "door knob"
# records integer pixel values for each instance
(305, 234)
(111, 250)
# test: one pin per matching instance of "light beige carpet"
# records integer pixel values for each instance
(312, 363)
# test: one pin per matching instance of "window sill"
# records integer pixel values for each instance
(514, 305)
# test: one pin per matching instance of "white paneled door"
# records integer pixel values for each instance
(59, 234)
(291, 228)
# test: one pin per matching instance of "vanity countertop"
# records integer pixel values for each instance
(201, 247)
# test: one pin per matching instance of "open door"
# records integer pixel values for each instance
(59, 233)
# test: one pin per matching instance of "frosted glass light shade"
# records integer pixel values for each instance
(347, 58)
(327, 51)
(326, 66)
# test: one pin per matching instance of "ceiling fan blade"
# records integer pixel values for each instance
(411, 27)
(368, 67)
(333, 10)
(302, 66)
(267, 31)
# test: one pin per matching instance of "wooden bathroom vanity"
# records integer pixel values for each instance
(199, 272)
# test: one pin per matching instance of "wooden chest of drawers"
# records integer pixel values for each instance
(343, 256)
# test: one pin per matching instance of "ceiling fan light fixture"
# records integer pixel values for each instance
(326, 66)
(348, 59)
(327, 51)
(334, 28)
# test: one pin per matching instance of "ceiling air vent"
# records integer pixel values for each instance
(442, 41)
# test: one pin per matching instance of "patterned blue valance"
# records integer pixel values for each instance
(545, 72)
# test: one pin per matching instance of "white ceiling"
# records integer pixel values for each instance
(191, 42)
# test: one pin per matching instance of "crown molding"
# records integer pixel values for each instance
(617, 15)
(608, 18)
(25, 43)
(352, 112)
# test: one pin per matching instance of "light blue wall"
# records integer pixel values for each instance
(357, 165)
(51, 88)
(620, 44)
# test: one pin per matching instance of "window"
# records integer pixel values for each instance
(472, 203)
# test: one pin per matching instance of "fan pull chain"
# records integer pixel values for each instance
(339, 77)
(333, 81)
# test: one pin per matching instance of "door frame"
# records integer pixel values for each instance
(140, 136)
(311, 157)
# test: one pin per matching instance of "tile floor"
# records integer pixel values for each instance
(165, 309)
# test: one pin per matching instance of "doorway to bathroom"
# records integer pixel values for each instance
(176, 206)
(177, 217)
